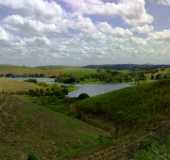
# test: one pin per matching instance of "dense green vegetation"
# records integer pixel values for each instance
(49, 90)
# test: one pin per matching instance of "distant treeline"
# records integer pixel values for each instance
(13, 75)
(106, 74)
(127, 66)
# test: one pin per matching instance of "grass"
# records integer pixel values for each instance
(7, 85)
(52, 103)
(28, 128)
(154, 148)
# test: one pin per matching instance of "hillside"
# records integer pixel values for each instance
(27, 128)
(137, 117)
(140, 104)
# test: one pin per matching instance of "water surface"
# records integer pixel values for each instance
(44, 80)
(90, 89)
(97, 89)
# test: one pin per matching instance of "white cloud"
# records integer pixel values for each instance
(41, 32)
(27, 25)
(143, 29)
(37, 7)
(161, 35)
(105, 28)
(132, 11)
(4, 35)
(37, 42)
(83, 24)
(164, 2)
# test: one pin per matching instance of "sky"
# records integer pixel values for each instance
(82, 32)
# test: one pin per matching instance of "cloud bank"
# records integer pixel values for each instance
(67, 32)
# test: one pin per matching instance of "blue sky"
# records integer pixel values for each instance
(161, 14)
(81, 32)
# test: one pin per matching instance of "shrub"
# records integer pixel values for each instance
(31, 80)
(83, 96)
(54, 90)
(32, 157)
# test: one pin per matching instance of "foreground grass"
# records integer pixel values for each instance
(28, 128)
(153, 148)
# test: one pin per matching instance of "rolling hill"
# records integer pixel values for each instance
(137, 117)
(30, 129)
(134, 105)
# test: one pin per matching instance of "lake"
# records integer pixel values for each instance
(96, 89)
(44, 80)
(90, 89)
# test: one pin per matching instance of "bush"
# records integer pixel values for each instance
(31, 80)
(69, 79)
(32, 157)
(83, 96)
(54, 90)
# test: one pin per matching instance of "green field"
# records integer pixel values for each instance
(7, 85)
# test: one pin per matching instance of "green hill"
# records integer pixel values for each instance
(134, 105)
(137, 117)
(27, 128)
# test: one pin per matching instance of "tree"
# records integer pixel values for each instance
(158, 77)
(32, 157)
(152, 77)
(31, 80)
(83, 96)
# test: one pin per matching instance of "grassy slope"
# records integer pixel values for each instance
(154, 148)
(8, 85)
(30, 128)
(136, 111)
(137, 104)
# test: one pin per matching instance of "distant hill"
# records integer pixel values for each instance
(127, 66)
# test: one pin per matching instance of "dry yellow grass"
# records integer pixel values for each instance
(8, 85)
